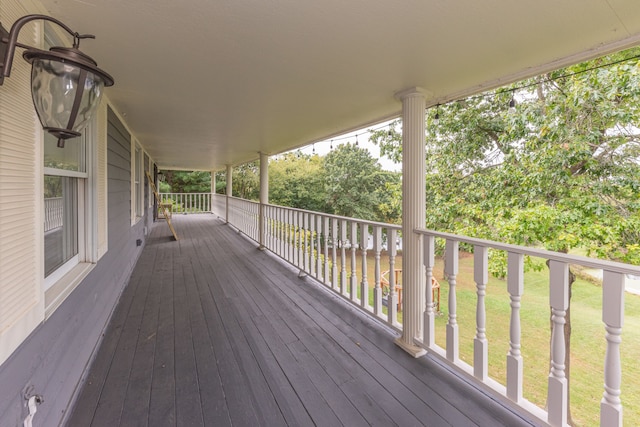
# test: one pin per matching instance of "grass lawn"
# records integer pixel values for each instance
(587, 339)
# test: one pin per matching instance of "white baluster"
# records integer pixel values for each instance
(325, 247)
(480, 343)
(280, 231)
(298, 238)
(557, 397)
(291, 239)
(343, 257)
(377, 289)
(311, 265)
(270, 227)
(613, 318)
(392, 298)
(364, 284)
(334, 254)
(288, 237)
(451, 271)
(353, 290)
(515, 286)
(319, 231)
(429, 315)
(284, 227)
(301, 241)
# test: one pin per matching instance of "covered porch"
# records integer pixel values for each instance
(212, 331)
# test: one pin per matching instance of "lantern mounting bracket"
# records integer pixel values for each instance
(9, 40)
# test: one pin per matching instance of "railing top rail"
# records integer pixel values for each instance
(541, 253)
(345, 218)
(244, 200)
(205, 193)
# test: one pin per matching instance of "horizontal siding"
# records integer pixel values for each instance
(20, 291)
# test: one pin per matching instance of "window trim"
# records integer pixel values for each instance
(61, 282)
(137, 182)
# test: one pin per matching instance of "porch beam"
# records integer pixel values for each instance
(413, 216)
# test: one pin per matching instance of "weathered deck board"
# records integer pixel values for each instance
(211, 331)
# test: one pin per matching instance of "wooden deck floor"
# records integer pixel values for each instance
(211, 331)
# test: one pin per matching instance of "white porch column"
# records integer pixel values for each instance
(264, 196)
(413, 216)
(213, 190)
(229, 191)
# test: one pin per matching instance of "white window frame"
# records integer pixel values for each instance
(60, 283)
(137, 182)
(149, 189)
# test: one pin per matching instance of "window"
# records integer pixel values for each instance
(138, 179)
(65, 182)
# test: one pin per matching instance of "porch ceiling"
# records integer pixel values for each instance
(205, 83)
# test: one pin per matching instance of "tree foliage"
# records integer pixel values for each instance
(357, 186)
(186, 182)
(245, 181)
(297, 181)
(560, 169)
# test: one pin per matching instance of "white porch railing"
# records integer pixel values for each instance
(335, 250)
(218, 204)
(332, 249)
(243, 214)
(613, 288)
(53, 213)
(189, 203)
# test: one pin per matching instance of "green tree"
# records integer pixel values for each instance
(186, 182)
(245, 181)
(297, 181)
(559, 170)
(356, 186)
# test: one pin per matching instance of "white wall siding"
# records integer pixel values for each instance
(21, 297)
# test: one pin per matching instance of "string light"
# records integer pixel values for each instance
(347, 137)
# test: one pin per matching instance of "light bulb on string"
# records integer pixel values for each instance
(331, 145)
(436, 117)
(314, 148)
(356, 140)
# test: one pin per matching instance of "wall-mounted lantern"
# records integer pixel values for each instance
(66, 84)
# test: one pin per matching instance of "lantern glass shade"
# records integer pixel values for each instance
(65, 96)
